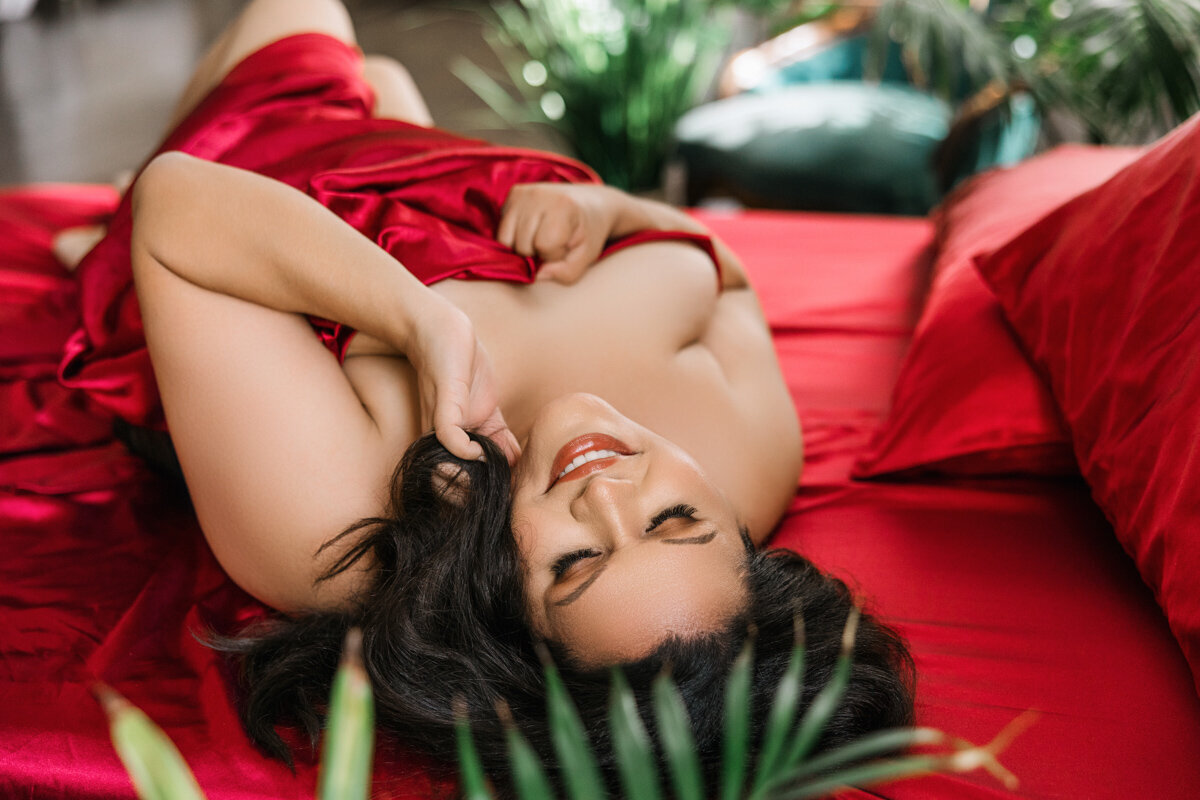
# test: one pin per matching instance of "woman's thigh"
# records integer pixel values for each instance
(259, 24)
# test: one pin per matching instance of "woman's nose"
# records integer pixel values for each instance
(609, 502)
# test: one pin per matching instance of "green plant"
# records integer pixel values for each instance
(159, 772)
(785, 768)
(611, 76)
(1128, 69)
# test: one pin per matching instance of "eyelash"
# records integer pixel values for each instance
(566, 561)
(679, 511)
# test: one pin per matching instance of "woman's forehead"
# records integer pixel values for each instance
(635, 602)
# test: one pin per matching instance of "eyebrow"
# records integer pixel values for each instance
(573, 596)
(703, 538)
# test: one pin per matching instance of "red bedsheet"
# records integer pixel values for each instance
(1013, 593)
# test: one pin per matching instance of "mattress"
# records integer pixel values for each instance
(1012, 593)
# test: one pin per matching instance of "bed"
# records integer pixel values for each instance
(990, 553)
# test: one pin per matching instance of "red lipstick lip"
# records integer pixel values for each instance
(581, 445)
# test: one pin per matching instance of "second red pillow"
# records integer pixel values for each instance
(968, 402)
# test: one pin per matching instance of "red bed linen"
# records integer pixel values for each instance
(1014, 595)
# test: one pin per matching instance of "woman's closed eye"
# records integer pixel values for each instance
(678, 511)
(563, 564)
(568, 560)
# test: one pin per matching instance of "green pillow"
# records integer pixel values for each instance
(836, 146)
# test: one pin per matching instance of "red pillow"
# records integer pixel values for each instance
(1105, 295)
(967, 401)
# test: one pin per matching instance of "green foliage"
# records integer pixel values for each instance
(611, 76)
(944, 44)
(1129, 69)
(784, 770)
(154, 765)
(349, 729)
(159, 772)
(786, 773)
(675, 731)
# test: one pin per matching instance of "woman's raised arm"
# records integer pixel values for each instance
(234, 232)
(279, 451)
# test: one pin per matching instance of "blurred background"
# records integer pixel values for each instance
(876, 107)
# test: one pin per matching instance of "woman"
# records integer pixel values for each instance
(638, 399)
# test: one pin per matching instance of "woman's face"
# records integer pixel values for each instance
(623, 538)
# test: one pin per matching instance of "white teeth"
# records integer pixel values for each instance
(591, 455)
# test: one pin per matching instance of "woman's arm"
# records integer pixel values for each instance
(279, 450)
(567, 225)
(237, 233)
(246, 236)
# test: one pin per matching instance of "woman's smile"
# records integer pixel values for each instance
(585, 455)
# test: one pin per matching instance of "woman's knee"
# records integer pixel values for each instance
(396, 93)
(264, 21)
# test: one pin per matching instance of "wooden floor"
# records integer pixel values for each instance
(86, 90)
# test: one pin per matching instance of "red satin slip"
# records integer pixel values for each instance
(299, 111)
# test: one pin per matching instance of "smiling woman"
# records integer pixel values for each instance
(450, 620)
(524, 314)
(592, 522)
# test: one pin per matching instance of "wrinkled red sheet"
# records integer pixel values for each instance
(1013, 593)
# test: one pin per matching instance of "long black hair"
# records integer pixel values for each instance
(444, 623)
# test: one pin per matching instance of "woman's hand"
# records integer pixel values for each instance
(563, 224)
(455, 382)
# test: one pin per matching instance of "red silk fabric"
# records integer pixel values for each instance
(1013, 593)
(299, 111)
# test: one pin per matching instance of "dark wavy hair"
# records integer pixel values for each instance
(444, 623)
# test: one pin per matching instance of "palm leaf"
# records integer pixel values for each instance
(631, 743)
(737, 724)
(579, 770)
(675, 731)
(529, 779)
(154, 764)
(1136, 69)
(942, 43)
(826, 701)
(864, 775)
(782, 714)
(350, 729)
(870, 746)
(470, 768)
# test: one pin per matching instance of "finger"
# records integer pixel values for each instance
(448, 420)
(526, 231)
(456, 440)
(496, 429)
(571, 268)
(511, 447)
(552, 239)
(506, 233)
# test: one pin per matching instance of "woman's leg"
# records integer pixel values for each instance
(259, 24)
(396, 94)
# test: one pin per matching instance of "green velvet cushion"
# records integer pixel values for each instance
(836, 146)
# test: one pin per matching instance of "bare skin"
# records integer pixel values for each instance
(282, 447)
